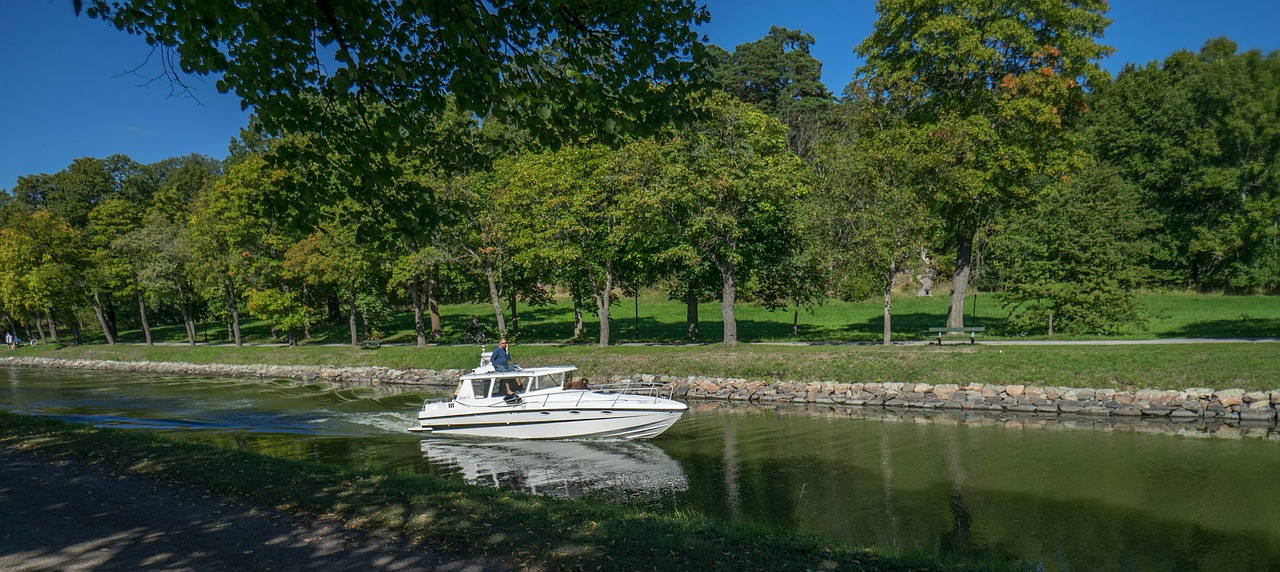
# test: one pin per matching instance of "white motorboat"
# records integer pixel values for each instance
(548, 403)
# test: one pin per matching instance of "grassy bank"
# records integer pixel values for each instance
(653, 318)
(536, 532)
(1249, 366)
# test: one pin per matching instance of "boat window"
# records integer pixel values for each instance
(500, 388)
(566, 378)
(544, 382)
(480, 387)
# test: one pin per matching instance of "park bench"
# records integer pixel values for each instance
(973, 331)
(370, 344)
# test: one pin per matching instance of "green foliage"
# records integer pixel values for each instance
(995, 88)
(42, 262)
(374, 314)
(1073, 257)
(558, 67)
(1199, 135)
(875, 174)
(283, 310)
(732, 197)
(779, 76)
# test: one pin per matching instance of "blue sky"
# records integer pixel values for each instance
(69, 91)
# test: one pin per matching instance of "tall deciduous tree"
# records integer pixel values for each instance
(997, 84)
(233, 234)
(735, 187)
(867, 217)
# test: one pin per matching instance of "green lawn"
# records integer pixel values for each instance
(1250, 366)
(1169, 315)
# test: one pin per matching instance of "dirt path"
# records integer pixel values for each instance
(66, 516)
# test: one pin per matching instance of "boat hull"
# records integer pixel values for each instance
(540, 423)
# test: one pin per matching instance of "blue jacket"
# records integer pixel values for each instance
(500, 358)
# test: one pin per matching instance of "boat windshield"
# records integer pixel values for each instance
(551, 380)
(496, 386)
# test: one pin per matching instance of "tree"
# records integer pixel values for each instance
(159, 252)
(281, 309)
(995, 86)
(234, 237)
(1072, 261)
(779, 76)
(1199, 135)
(334, 254)
(731, 196)
(867, 218)
(574, 217)
(43, 264)
(113, 270)
(556, 66)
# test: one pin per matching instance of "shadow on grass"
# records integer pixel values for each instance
(1243, 327)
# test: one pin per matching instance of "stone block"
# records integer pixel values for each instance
(1229, 397)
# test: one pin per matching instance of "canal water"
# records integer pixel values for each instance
(1059, 495)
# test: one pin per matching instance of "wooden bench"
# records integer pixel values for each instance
(971, 331)
(370, 344)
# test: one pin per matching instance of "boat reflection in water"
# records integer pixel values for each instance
(633, 470)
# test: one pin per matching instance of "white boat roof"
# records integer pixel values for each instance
(488, 372)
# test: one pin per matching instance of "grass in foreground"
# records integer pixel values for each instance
(1248, 366)
(533, 531)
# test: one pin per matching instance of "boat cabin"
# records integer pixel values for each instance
(490, 383)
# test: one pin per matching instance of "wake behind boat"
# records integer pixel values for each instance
(547, 403)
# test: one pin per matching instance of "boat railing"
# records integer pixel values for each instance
(434, 400)
(629, 387)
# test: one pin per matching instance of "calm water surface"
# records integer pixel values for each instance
(1060, 498)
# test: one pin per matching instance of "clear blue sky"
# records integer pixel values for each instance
(68, 90)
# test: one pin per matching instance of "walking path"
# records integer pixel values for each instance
(68, 516)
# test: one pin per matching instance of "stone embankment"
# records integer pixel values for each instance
(1228, 405)
(344, 376)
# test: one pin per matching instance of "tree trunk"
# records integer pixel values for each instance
(111, 318)
(495, 298)
(728, 295)
(188, 322)
(579, 329)
(233, 306)
(26, 326)
(601, 296)
(351, 317)
(795, 320)
(433, 302)
(888, 302)
(53, 326)
(75, 329)
(415, 296)
(34, 317)
(142, 318)
(306, 314)
(102, 319)
(14, 327)
(515, 318)
(691, 314)
(960, 281)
